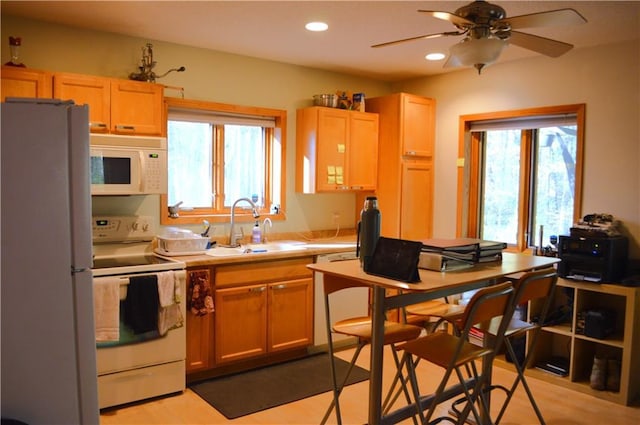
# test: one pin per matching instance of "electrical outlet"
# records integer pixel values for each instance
(336, 217)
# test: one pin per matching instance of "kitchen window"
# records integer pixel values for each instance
(218, 153)
(521, 179)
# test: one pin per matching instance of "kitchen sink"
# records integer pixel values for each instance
(255, 249)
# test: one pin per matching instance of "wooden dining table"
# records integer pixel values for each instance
(432, 285)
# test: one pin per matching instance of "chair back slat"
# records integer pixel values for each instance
(488, 303)
(535, 285)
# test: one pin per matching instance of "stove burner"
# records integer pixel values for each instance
(141, 260)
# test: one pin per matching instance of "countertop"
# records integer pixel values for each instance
(302, 249)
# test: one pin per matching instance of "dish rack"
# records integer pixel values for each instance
(182, 245)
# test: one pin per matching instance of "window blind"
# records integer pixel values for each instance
(222, 117)
(524, 123)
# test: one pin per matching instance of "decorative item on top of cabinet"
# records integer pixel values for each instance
(14, 46)
(116, 106)
(25, 82)
(336, 150)
(146, 72)
(405, 164)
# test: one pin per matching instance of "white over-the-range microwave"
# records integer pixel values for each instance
(128, 165)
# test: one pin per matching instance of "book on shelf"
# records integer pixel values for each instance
(558, 366)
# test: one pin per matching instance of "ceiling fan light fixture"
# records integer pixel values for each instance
(476, 52)
(435, 56)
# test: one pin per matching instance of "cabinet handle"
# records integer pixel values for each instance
(259, 289)
(281, 286)
(356, 187)
(410, 153)
(97, 125)
(126, 127)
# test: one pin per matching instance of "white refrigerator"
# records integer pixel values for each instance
(48, 337)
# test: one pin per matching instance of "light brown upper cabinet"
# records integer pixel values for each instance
(405, 165)
(115, 106)
(24, 82)
(417, 121)
(336, 150)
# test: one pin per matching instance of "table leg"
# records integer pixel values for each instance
(377, 353)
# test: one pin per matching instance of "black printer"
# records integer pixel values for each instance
(594, 259)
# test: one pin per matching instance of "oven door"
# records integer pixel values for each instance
(127, 354)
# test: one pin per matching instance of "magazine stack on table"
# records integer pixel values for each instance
(458, 253)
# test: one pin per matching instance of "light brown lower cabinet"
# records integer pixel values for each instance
(241, 321)
(262, 308)
(290, 314)
(260, 319)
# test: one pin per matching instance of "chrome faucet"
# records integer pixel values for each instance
(233, 237)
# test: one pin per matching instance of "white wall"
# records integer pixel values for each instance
(606, 79)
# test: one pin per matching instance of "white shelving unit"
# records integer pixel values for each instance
(563, 340)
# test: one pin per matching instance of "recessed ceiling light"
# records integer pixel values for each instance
(435, 56)
(316, 26)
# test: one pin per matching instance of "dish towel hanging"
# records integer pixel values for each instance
(169, 315)
(142, 304)
(167, 288)
(200, 297)
(106, 307)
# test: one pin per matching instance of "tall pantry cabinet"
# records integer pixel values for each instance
(405, 165)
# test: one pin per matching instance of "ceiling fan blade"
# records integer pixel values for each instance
(420, 37)
(545, 19)
(545, 46)
(446, 16)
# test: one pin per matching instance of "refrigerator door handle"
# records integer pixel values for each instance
(75, 270)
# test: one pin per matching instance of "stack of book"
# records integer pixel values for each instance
(458, 253)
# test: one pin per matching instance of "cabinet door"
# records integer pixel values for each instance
(363, 151)
(333, 133)
(241, 323)
(416, 205)
(199, 328)
(418, 126)
(290, 321)
(21, 82)
(136, 107)
(86, 90)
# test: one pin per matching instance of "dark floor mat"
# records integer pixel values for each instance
(249, 392)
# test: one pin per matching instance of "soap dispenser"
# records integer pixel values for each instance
(256, 233)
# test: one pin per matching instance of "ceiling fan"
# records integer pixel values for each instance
(487, 30)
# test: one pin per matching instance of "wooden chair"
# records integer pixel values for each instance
(455, 352)
(360, 328)
(433, 312)
(536, 286)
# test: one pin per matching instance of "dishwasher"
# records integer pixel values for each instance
(352, 302)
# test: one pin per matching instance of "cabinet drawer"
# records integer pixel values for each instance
(262, 272)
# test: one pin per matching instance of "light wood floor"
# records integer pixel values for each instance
(559, 406)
